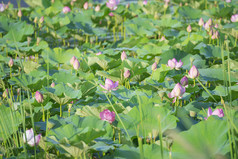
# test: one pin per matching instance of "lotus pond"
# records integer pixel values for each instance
(119, 79)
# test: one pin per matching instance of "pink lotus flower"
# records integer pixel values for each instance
(52, 84)
(112, 4)
(111, 14)
(209, 22)
(72, 60)
(10, 63)
(110, 85)
(30, 138)
(177, 92)
(201, 22)
(107, 115)
(162, 38)
(99, 53)
(217, 112)
(5, 93)
(2, 7)
(145, 2)
(97, 8)
(39, 97)
(174, 64)
(228, 1)
(19, 14)
(76, 64)
(234, 18)
(127, 74)
(193, 72)
(85, 6)
(123, 56)
(184, 81)
(189, 29)
(41, 19)
(207, 26)
(66, 10)
(154, 66)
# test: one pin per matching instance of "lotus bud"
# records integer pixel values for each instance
(72, 3)
(127, 74)
(76, 64)
(228, 1)
(10, 63)
(5, 93)
(38, 39)
(18, 91)
(217, 34)
(2, 7)
(35, 20)
(107, 115)
(127, 5)
(184, 81)
(206, 26)
(189, 29)
(97, 8)
(72, 60)
(111, 14)
(216, 26)
(52, 1)
(41, 19)
(166, 5)
(154, 66)
(19, 14)
(39, 97)
(162, 38)
(201, 22)
(209, 22)
(123, 56)
(192, 113)
(193, 72)
(52, 84)
(66, 9)
(85, 6)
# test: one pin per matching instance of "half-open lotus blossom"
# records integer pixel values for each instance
(72, 60)
(76, 64)
(177, 92)
(110, 85)
(127, 74)
(184, 81)
(162, 38)
(175, 64)
(193, 72)
(206, 26)
(154, 66)
(107, 115)
(123, 56)
(201, 22)
(39, 97)
(234, 18)
(217, 112)
(85, 6)
(228, 1)
(2, 7)
(112, 4)
(29, 138)
(66, 9)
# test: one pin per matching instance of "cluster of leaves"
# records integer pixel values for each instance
(149, 124)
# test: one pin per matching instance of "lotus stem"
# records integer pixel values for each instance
(206, 90)
(60, 110)
(43, 115)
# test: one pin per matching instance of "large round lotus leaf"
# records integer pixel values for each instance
(203, 140)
